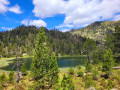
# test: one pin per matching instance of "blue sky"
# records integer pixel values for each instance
(61, 14)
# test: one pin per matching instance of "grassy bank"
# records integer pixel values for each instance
(79, 82)
(10, 58)
(73, 56)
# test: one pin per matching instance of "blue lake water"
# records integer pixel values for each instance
(63, 62)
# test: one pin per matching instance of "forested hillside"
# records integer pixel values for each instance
(96, 30)
(25, 38)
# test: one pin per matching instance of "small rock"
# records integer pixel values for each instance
(84, 74)
(114, 89)
(91, 88)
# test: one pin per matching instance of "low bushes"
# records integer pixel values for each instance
(71, 71)
(80, 74)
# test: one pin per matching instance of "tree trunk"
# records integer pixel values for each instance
(18, 75)
(88, 58)
(51, 82)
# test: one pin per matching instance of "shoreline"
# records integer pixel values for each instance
(10, 58)
(61, 70)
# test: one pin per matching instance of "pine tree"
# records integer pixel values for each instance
(89, 46)
(11, 76)
(89, 82)
(88, 66)
(67, 83)
(23, 69)
(70, 83)
(53, 70)
(39, 66)
(108, 61)
(64, 82)
(112, 41)
(116, 40)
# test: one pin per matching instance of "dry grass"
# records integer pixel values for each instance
(79, 82)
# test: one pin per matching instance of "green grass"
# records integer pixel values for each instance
(4, 58)
(65, 69)
(11, 58)
(72, 56)
(79, 82)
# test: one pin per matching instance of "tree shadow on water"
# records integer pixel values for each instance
(12, 64)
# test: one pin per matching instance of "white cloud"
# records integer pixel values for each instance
(65, 30)
(6, 29)
(77, 12)
(25, 22)
(15, 9)
(117, 17)
(4, 7)
(3, 28)
(48, 8)
(87, 12)
(64, 25)
(37, 23)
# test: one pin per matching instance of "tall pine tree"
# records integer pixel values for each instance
(108, 61)
(39, 65)
(89, 46)
(116, 40)
(53, 72)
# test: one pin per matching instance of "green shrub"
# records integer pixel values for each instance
(89, 82)
(64, 81)
(80, 74)
(79, 66)
(67, 83)
(12, 89)
(3, 79)
(118, 72)
(99, 67)
(86, 77)
(23, 70)
(1, 88)
(11, 76)
(56, 87)
(95, 74)
(88, 67)
(30, 87)
(70, 85)
(71, 71)
(103, 82)
(118, 78)
(37, 85)
(110, 84)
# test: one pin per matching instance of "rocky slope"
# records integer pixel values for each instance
(96, 30)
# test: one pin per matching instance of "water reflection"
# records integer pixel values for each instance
(62, 62)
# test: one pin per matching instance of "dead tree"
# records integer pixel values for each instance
(18, 74)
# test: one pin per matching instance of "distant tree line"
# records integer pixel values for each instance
(25, 37)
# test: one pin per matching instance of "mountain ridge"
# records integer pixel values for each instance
(96, 30)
